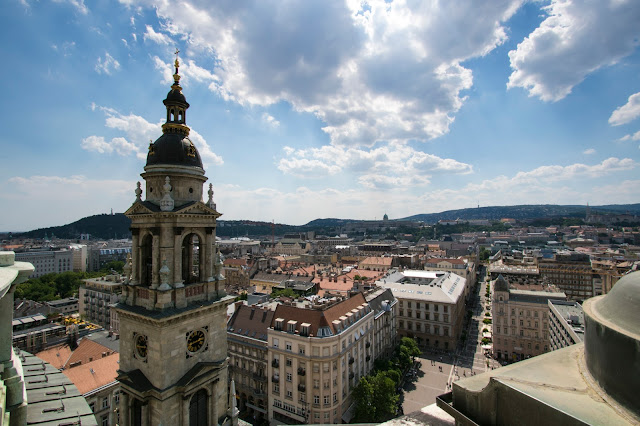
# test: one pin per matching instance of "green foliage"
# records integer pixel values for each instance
(115, 265)
(287, 292)
(242, 296)
(486, 321)
(486, 340)
(487, 314)
(52, 286)
(484, 254)
(375, 398)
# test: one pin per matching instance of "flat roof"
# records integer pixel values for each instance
(445, 287)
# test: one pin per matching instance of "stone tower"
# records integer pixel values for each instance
(173, 346)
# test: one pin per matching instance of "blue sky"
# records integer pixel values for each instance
(309, 109)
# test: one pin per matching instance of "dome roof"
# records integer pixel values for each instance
(174, 149)
(175, 96)
(620, 306)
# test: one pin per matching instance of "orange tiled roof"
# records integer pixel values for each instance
(88, 351)
(56, 356)
(95, 374)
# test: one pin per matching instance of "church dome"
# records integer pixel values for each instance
(174, 149)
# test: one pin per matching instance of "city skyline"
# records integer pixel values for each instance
(308, 110)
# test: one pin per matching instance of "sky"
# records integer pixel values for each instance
(314, 109)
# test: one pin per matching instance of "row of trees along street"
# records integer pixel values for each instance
(375, 395)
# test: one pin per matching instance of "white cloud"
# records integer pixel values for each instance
(65, 48)
(633, 137)
(138, 133)
(270, 120)
(381, 167)
(627, 112)
(589, 151)
(372, 72)
(78, 4)
(155, 37)
(576, 38)
(107, 65)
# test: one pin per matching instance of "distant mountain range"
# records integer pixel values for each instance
(106, 226)
(524, 212)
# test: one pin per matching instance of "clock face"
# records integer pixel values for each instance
(195, 340)
(141, 345)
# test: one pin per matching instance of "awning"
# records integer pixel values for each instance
(348, 415)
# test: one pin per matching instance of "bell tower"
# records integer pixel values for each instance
(173, 346)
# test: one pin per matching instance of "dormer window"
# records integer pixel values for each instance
(279, 323)
(304, 329)
(291, 326)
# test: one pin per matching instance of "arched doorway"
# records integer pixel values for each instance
(146, 260)
(198, 408)
(192, 259)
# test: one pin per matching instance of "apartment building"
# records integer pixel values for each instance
(385, 308)
(47, 260)
(566, 323)
(248, 359)
(431, 306)
(520, 320)
(317, 354)
(571, 272)
(97, 295)
(463, 267)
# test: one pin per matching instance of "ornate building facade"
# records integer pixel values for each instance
(172, 312)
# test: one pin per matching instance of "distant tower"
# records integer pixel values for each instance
(385, 217)
(173, 350)
(588, 213)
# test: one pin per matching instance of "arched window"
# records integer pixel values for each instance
(198, 409)
(192, 258)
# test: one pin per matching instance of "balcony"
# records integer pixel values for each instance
(351, 360)
(368, 358)
(302, 387)
(275, 378)
(275, 363)
(302, 372)
(260, 377)
(367, 345)
(258, 392)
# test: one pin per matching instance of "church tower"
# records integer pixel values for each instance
(172, 312)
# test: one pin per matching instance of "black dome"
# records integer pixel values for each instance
(175, 96)
(174, 149)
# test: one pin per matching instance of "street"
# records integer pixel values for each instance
(439, 369)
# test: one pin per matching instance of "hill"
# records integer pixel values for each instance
(522, 212)
(106, 226)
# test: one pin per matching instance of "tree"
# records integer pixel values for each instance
(385, 398)
(375, 398)
(362, 395)
(286, 292)
(116, 265)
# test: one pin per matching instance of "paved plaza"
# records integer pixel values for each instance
(437, 371)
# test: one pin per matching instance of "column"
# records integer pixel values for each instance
(185, 411)
(209, 259)
(135, 255)
(124, 409)
(155, 259)
(177, 258)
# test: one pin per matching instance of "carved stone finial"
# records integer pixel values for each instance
(164, 276)
(167, 203)
(138, 192)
